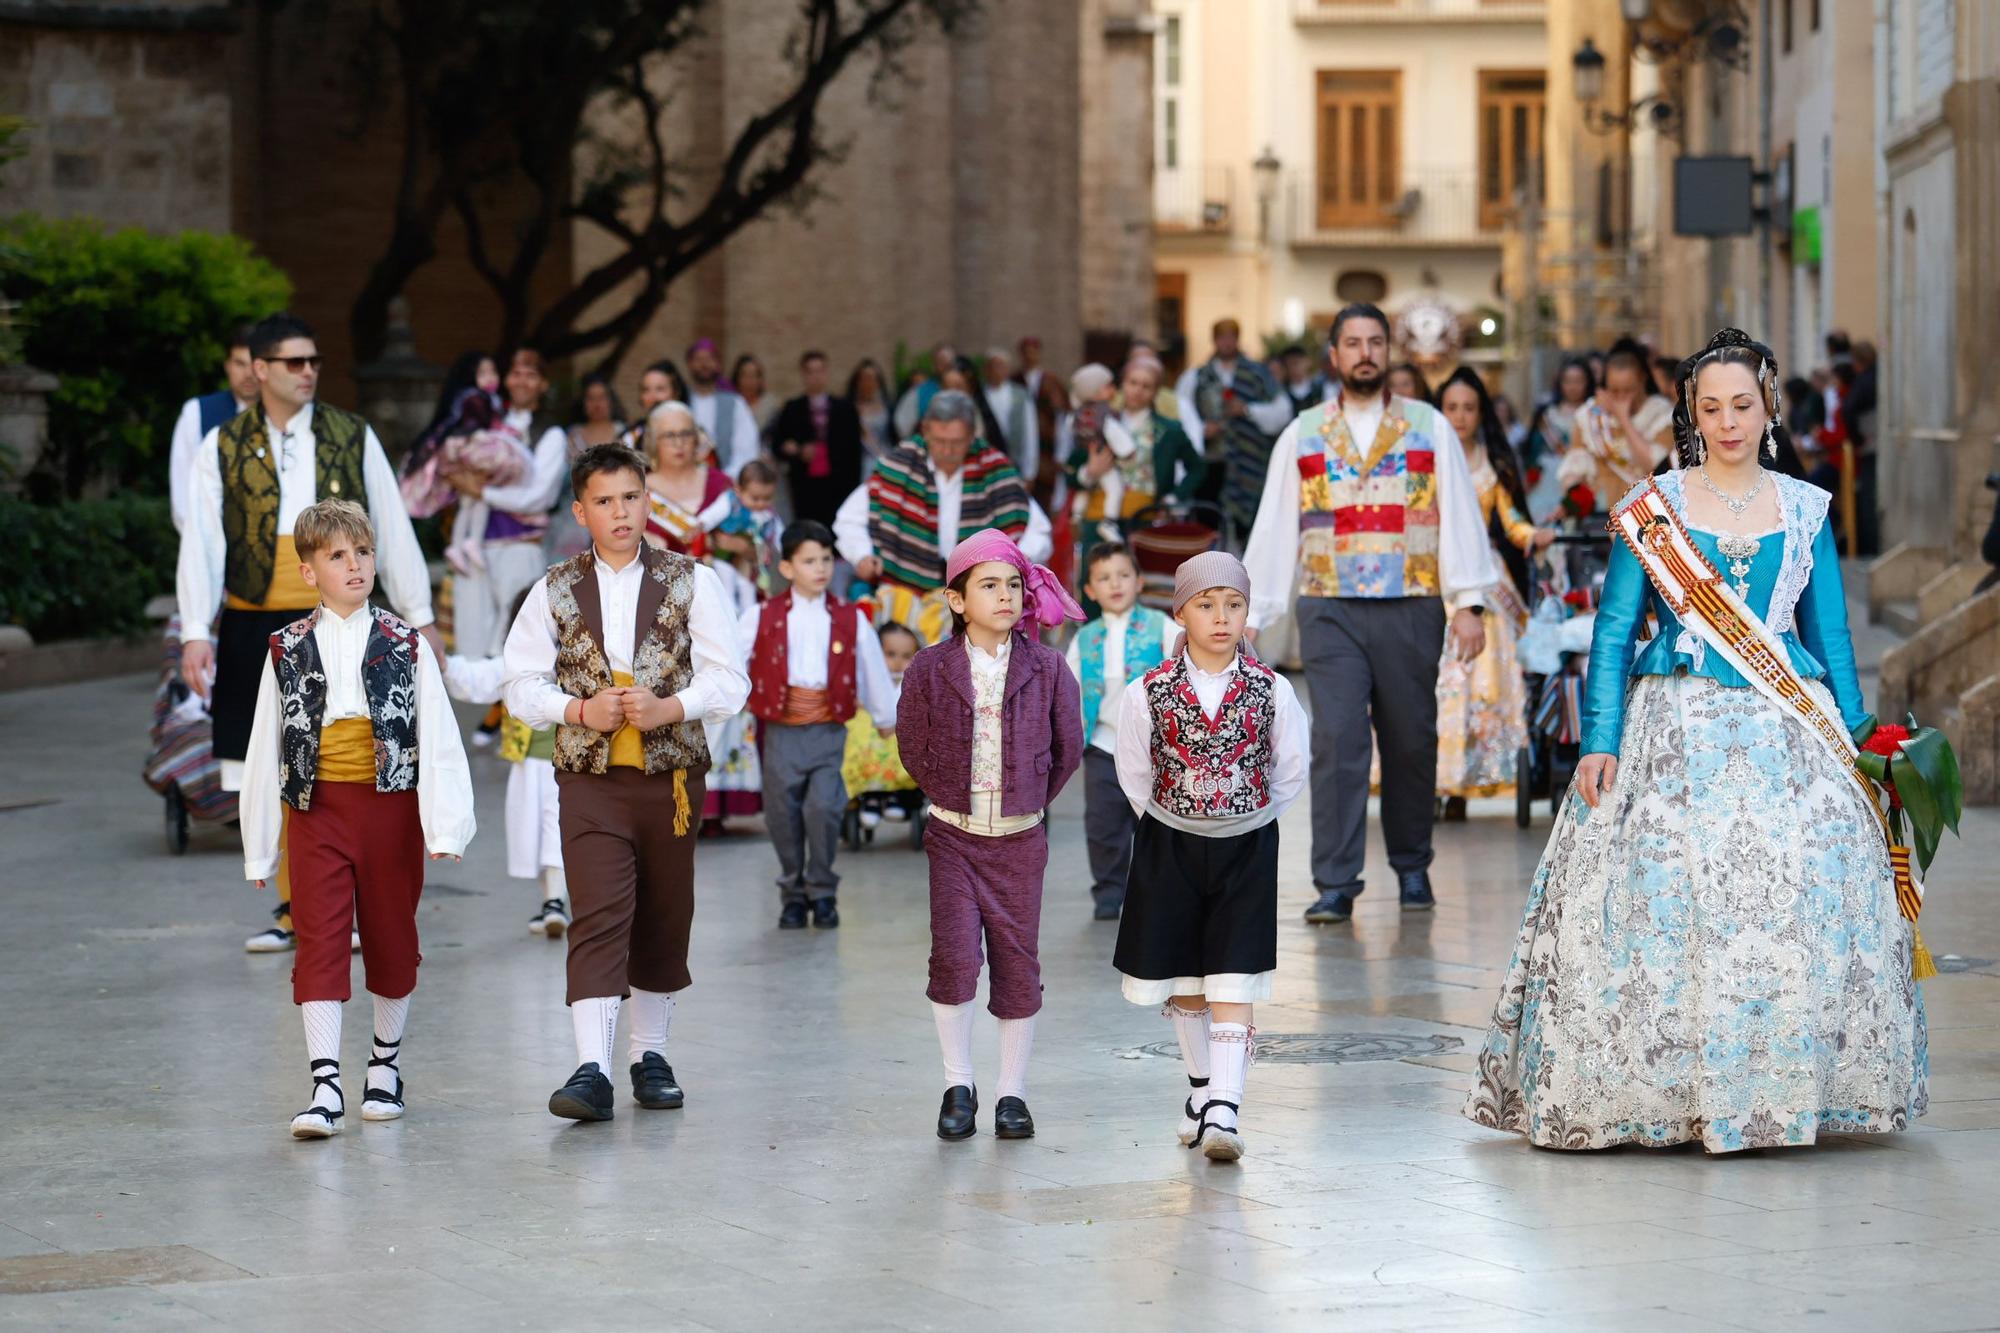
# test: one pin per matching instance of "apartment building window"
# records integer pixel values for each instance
(1172, 54)
(1170, 133)
(1360, 146)
(1512, 107)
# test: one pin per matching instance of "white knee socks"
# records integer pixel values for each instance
(595, 1022)
(1228, 1059)
(1191, 1030)
(1017, 1040)
(322, 1019)
(390, 1016)
(652, 1015)
(954, 1029)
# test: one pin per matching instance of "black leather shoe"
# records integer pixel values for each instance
(793, 917)
(1011, 1119)
(826, 916)
(1106, 911)
(1414, 891)
(1331, 909)
(955, 1116)
(653, 1084)
(587, 1095)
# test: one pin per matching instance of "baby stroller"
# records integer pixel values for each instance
(182, 766)
(1555, 661)
(1162, 536)
(878, 787)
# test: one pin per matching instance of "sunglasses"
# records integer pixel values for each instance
(298, 365)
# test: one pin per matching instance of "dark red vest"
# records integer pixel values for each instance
(770, 670)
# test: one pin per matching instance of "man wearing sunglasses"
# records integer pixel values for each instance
(252, 476)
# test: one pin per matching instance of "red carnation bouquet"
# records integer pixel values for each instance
(1918, 772)
(1579, 501)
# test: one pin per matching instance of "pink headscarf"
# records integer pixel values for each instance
(1042, 593)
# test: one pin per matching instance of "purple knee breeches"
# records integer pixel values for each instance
(990, 885)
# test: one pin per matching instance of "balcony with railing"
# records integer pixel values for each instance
(1393, 207)
(1417, 11)
(1195, 199)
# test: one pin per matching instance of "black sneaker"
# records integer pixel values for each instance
(653, 1085)
(552, 920)
(587, 1095)
(825, 915)
(1414, 891)
(1330, 909)
(792, 916)
(1106, 910)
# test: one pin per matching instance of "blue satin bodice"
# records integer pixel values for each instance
(1795, 587)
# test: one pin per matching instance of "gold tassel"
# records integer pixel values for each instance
(1922, 966)
(681, 812)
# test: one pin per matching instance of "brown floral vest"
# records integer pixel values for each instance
(662, 660)
(250, 488)
(388, 678)
(1211, 767)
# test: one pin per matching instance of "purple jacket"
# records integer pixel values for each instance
(1041, 728)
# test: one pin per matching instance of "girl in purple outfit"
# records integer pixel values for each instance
(991, 728)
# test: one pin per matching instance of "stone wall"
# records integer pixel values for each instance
(1116, 255)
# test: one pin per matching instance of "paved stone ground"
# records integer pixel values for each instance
(146, 1178)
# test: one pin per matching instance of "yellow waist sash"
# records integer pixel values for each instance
(346, 749)
(289, 590)
(628, 747)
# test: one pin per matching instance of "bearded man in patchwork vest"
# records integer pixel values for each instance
(1371, 517)
(630, 653)
(251, 478)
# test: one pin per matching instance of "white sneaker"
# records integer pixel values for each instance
(1222, 1145)
(275, 940)
(896, 814)
(551, 920)
(481, 738)
(1190, 1124)
(314, 1125)
(871, 818)
(354, 941)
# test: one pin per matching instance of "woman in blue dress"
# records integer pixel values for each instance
(1712, 950)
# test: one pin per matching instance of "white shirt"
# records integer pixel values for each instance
(399, 561)
(1026, 451)
(444, 783)
(1105, 737)
(850, 522)
(1288, 752)
(746, 441)
(989, 689)
(716, 693)
(535, 493)
(808, 643)
(1269, 416)
(180, 457)
(1466, 566)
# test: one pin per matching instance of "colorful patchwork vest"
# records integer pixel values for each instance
(250, 488)
(1211, 767)
(1368, 524)
(770, 664)
(662, 659)
(1145, 646)
(388, 678)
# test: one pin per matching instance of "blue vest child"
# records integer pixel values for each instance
(1145, 648)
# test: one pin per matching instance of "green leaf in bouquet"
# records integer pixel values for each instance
(1931, 755)
(1926, 825)
(1874, 767)
(1864, 729)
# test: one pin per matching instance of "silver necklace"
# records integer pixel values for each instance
(1740, 551)
(1736, 506)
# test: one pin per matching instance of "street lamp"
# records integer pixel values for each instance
(1588, 65)
(1266, 169)
(1588, 62)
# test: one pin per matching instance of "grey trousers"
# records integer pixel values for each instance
(1371, 659)
(1108, 824)
(804, 802)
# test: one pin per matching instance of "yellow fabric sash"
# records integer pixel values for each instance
(628, 746)
(347, 751)
(289, 590)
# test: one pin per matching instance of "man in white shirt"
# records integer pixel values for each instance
(203, 414)
(1380, 543)
(1232, 408)
(1014, 408)
(721, 412)
(629, 652)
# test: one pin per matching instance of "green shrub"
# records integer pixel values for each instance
(134, 324)
(85, 568)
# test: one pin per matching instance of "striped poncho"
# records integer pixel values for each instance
(903, 509)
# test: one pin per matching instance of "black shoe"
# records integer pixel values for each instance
(587, 1095)
(1011, 1119)
(1414, 891)
(1331, 909)
(955, 1115)
(793, 917)
(1106, 910)
(825, 915)
(1454, 810)
(653, 1085)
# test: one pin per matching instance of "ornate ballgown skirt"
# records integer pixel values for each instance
(1714, 954)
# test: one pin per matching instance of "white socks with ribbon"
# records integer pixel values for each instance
(1228, 1061)
(652, 1015)
(595, 1023)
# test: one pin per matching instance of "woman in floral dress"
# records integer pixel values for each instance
(1712, 951)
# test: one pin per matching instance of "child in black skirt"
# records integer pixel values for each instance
(1211, 750)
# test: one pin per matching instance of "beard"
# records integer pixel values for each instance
(1367, 386)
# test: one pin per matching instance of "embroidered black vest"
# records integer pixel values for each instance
(1211, 768)
(662, 658)
(250, 488)
(388, 678)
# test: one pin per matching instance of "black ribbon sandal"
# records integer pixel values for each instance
(392, 1102)
(329, 1120)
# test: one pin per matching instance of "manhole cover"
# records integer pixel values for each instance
(1332, 1048)
(1953, 963)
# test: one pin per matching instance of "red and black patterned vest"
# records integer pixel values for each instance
(770, 659)
(388, 678)
(1211, 767)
